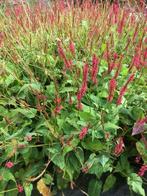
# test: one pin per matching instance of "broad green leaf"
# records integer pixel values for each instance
(48, 179)
(135, 183)
(110, 126)
(93, 145)
(31, 86)
(123, 165)
(94, 187)
(109, 182)
(9, 80)
(137, 113)
(103, 160)
(28, 189)
(141, 148)
(58, 160)
(29, 113)
(7, 175)
(61, 182)
(3, 111)
(96, 169)
(80, 155)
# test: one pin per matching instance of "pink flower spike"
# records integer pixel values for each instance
(121, 94)
(9, 164)
(119, 148)
(83, 133)
(58, 109)
(115, 56)
(19, 188)
(136, 61)
(82, 91)
(68, 64)
(142, 170)
(85, 72)
(112, 87)
(57, 100)
(61, 51)
(94, 70)
(79, 106)
(72, 47)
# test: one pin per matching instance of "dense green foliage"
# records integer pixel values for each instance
(72, 96)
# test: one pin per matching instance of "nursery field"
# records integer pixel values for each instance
(73, 97)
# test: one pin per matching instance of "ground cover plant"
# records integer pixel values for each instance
(72, 96)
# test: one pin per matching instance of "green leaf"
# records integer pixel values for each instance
(93, 145)
(67, 148)
(137, 113)
(94, 187)
(135, 184)
(48, 179)
(26, 88)
(61, 182)
(58, 160)
(123, 165)
(141, 148)
(9, 80)
(103, 160)
(96, 169)
(110, 126)
(85, 24)
(80, 155)
(28, 189)
(110, 181)
(29, 113)
(68, 89)
(7, 175)
(3, 111)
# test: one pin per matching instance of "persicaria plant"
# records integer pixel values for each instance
(72, 96)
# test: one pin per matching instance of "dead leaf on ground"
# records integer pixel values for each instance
(43, 189)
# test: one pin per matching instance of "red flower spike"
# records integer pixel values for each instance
(112, 87)
(142, 170)
(130, 79)
(19, 188)
(79, 106)
(61, 51)
(9, 164)
(121, 94)
(119, 148)
(136, 61)
(72, 47)
(115, 56)
(57, 100)
(58, 109)
(83, 133)
(112, 66)
(68, 64)
(124, 89)
(116, 10)
(121, 24)
(94, 70)
(82, 91)
(85, 73)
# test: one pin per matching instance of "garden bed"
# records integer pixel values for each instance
(73, 109)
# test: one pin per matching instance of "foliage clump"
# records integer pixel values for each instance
(72, 96)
